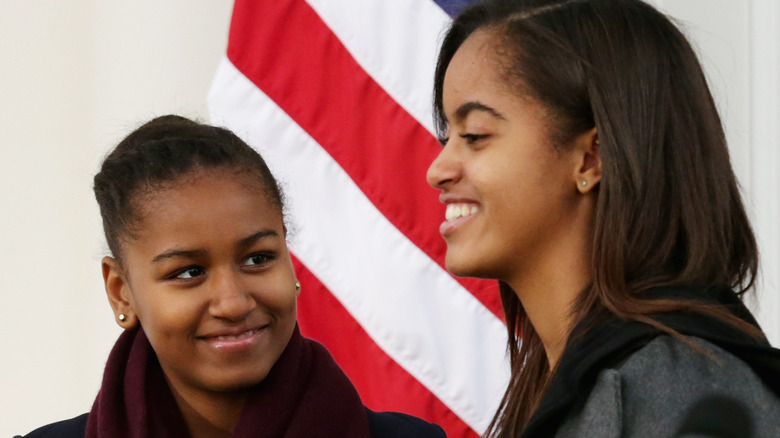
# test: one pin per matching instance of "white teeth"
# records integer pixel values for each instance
(455, 211)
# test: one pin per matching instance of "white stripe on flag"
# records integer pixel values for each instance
(396, 42)
(414, 310)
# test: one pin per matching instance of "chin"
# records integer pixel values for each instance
(238, 381)
(466, 267)
(472, 264)
(234, 386)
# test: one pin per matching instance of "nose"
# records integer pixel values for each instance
(444, 169)
(230, 298)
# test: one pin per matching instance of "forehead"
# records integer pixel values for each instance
(479, 74)
(150, 196)
(476, 74)
(194, 199)
(476, 59)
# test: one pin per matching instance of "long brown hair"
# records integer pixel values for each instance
(668, 210)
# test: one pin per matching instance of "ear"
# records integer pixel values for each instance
(588, 171)
(119, 293)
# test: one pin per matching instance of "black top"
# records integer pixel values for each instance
(381, 425)
(73, 428)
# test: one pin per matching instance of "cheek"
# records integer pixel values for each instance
(525, 194)
(283, 306)
(279, 294)
(505, 181)
(288, 293)
(284, 301)
(163, 315)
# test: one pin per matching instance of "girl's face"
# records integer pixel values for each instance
(509, 192)
(208, 275)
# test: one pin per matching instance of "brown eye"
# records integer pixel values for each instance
(189, 272)
(258, 259)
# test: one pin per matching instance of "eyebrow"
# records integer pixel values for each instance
(179, 253)
(193, 253)
(473, 105)
(249, 241)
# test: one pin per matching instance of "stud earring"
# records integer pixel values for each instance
(297, 285)
(584, 183)
(122, 317)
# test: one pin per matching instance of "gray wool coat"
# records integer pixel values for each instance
(652, 393)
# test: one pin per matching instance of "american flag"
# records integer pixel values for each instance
(336, 96)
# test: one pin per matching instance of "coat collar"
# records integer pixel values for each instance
(611, 341)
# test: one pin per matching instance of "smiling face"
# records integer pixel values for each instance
(210, 280)
(509, 192)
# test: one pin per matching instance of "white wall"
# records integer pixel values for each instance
(76, 76)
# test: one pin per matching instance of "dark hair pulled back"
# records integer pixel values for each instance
(159, 152)
(668, 210)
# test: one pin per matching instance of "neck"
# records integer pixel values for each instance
(549, 287)
(210, 415)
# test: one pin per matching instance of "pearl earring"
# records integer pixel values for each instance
(122, 317)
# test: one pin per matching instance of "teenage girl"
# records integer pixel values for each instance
(201, 280)
(584, 166)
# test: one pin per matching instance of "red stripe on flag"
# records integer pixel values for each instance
(376, 376)
(288, 52)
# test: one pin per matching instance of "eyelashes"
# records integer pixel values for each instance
(259, 259)
(470, 138)
(187, 273)
(253, 263)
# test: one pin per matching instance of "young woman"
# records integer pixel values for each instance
(201, 281)
(584, 166)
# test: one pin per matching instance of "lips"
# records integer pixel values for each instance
(235, 338)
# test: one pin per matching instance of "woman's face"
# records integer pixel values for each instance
(210, 280)
(508, 191)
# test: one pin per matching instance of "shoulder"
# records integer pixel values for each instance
(73, 428)
(669, 367)
(397, 425)
(655, 389)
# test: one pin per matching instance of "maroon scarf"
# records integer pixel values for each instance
(305, 394)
